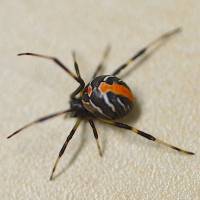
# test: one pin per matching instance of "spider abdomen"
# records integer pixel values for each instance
(108, 97)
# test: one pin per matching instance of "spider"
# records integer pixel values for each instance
(106, 98)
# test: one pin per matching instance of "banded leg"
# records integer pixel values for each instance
(69, 137)
(60, 64)
(82, 83)
(144, 51)
(96, 136)
(42, 119)
(76, 64)
(147, 136)
(101, 64)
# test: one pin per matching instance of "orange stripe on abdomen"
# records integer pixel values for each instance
(116, 89)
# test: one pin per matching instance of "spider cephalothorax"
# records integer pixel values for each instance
(78, 110)
(105, 98)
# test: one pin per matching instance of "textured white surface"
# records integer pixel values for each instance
(166, 85)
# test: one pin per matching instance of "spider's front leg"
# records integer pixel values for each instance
(62, 150)
(79, 79)
(76, 77)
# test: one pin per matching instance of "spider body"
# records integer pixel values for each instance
(105, 98)
(78, 110)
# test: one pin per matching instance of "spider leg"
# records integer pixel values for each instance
(42, 119)
(57, 61)
(149, 48)
(76, 64)
(69, 137)
(60, 64)
(81, 81)
(96, 136)
(101, 64)
(146, 135)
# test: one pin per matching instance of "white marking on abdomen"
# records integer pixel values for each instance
(120, 102)
(97, 108)
(108, 102)
(107, 77)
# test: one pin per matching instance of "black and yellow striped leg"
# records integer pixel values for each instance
(146, 135)
(96, 136)
(101, 64)
(144, 51)
(42, 119)
(69, 137)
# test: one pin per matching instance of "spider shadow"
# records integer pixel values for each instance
(134, 115)
(75, 154)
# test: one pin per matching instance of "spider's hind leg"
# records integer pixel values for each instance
(147, 136)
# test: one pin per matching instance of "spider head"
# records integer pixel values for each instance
(78, 109)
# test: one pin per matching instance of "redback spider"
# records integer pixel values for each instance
(106, 98)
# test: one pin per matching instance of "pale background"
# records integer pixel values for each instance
(167, 87)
